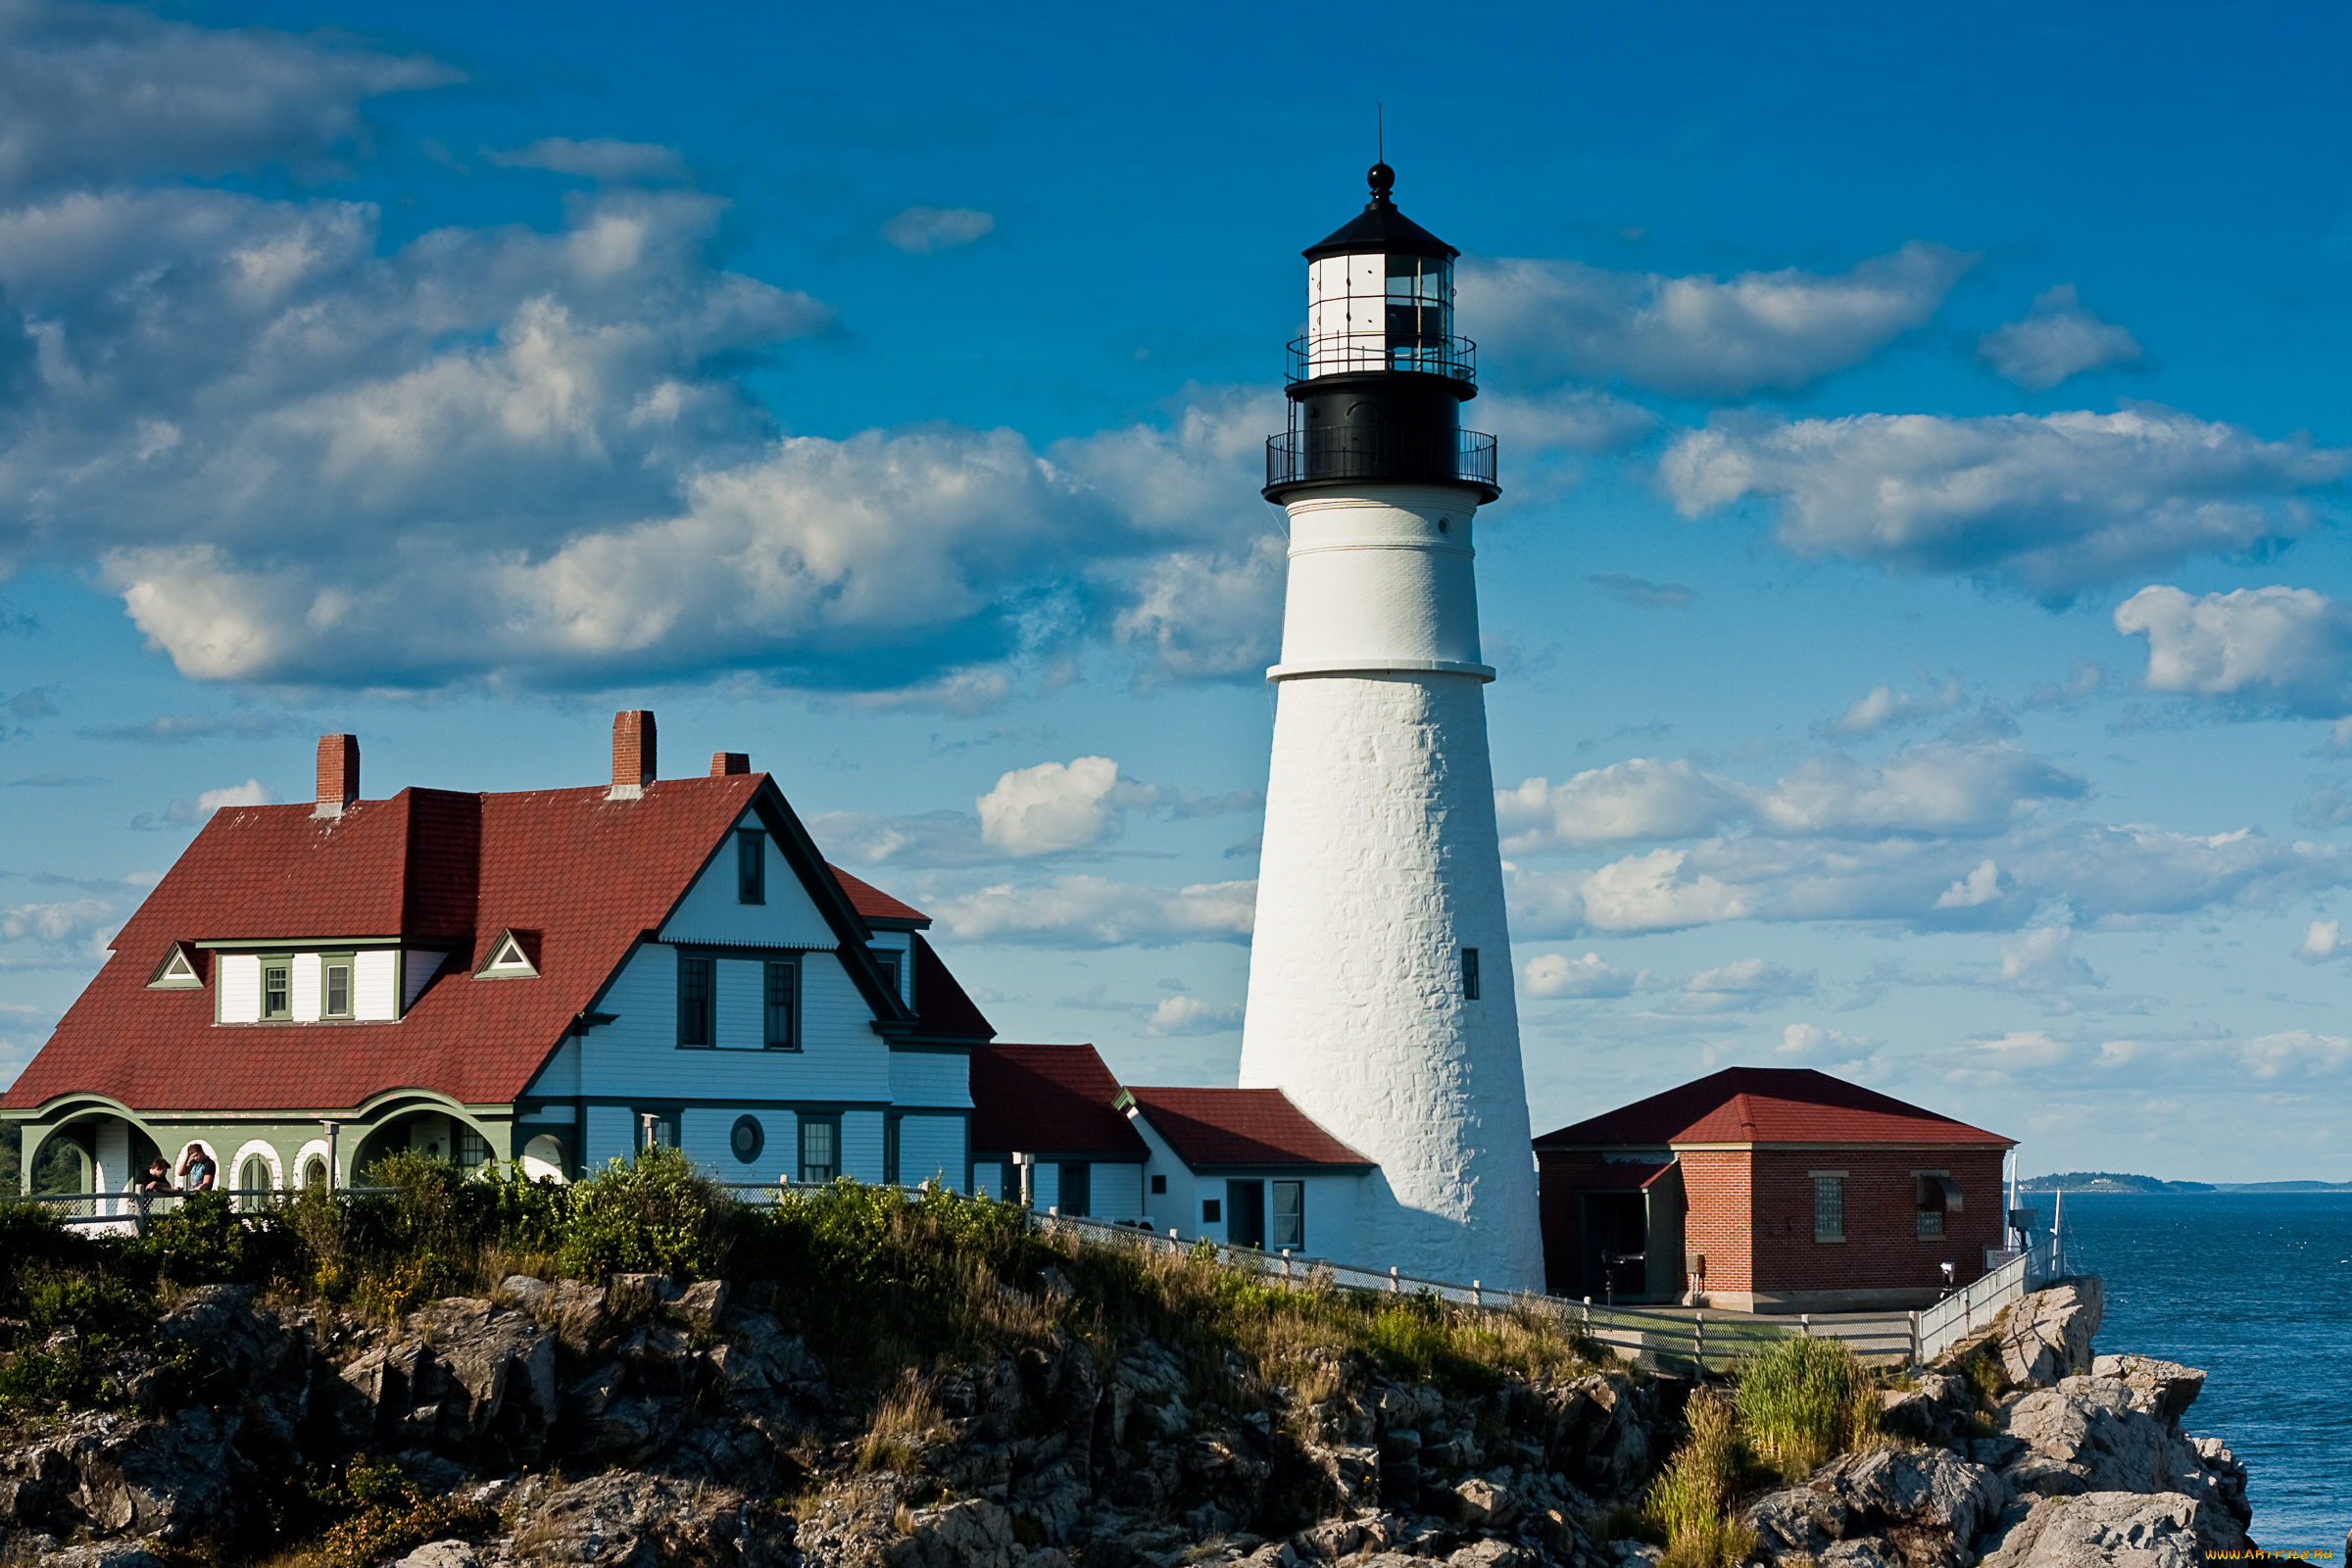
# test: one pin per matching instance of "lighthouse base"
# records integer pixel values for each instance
(1379, 869)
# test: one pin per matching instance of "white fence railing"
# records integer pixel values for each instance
(1964, 1312)
(1665, 1341)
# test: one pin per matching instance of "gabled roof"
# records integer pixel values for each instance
(941, 1009)
(1049, 1100)
(590, 876)
(1760, 1106)
(1216, 1128)
(878, 908)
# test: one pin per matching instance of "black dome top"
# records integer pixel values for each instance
(1380, 228)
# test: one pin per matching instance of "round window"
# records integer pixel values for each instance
(748, 1139)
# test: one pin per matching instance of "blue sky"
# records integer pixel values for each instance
(1921, 584)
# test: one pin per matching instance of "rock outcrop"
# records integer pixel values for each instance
(706, 1432)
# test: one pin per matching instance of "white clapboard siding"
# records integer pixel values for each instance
(307, 981)
(931, 1149)
(375, 983)
(937, 1079)
(710, 913)
(637, 1055)
(239, 977)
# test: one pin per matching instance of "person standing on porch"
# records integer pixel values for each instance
(196, 1170)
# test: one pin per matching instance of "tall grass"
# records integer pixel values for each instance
(1691, 1500)
(1804, 1401)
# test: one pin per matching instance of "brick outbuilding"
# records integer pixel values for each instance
(1778, 1188)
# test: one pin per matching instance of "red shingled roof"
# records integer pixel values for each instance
(1049, 1100)
(1768, 1105)
(941, 1009)
(874, 904)
(587, 874)
(1217, 1127)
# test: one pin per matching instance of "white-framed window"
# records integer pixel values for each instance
(334, 985)
(277, 986)
(1829, 1209)
(821, 1147)
(1286, 1219)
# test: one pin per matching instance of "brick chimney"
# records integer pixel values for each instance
(633, 762)
(338, 775)
(724, 762)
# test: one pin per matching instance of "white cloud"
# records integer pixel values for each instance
(1572, 419)
(106, 93)
(1739, 987)
(1089, 912)
(74, 922)
(1637, 799)
(1056, 807)
(2322, 941)
(2044, 959)
(2056, 339)
(1809, 1041)
(2295, 1052)
(2023, 1049)
(920, 231)
(2286, 649)
(1702, 336)
(927, 838)
(1189, 1015)
(1883, 705)
(1937, 788)
(2053, 503)
(601, 158)
(1642, 593)
(1209, 616)
(248, 793)
(1555, 974)
(2113, 876)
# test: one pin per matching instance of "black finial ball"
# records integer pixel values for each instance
(1383, 179)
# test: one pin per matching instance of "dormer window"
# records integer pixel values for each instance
(277, 987)
(334, 986)
(751, 867)
(511, 958)
(177, 971)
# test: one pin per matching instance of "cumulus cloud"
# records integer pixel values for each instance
(1570, 418)
(2285, 650)
(2324, 941)
(106, 93)
(1810, 1041)
(2084, 681)
(2052, 503)
(920, 231)
(192, 814)
(2056, 339)
(2107, 875)
(1090, 911)
(1883, 705)
(1189, 1015)
(2044, 959)
(73, 922)
(1936, 788)
(1555, 974)
(302, 455)
(1209, 615)
(2296, 1053)
(1056, 807)
(1702, 336)
(1739, 987)
(599, 159)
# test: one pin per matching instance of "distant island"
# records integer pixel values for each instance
(2111, 1181)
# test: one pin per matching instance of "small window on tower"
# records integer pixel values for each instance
(751, 867)
(1470, 973)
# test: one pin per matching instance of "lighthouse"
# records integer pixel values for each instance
(1380, 972)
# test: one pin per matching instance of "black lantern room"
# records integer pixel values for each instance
(1376, 384)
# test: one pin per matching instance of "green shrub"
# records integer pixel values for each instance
(201, 1242)
(1690, 1501)
(1804, 1401)
(384, 1513)
(654, 1216)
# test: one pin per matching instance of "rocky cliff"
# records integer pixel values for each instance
(641, 1423)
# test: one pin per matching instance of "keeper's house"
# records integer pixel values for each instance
(550, 976)
(1769, 1190)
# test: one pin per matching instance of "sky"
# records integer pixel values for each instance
(1921, 586)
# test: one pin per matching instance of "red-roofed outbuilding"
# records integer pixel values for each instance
(1770, 1188)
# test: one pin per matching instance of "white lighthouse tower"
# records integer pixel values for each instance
(1380, 974)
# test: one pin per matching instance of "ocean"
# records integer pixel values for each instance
(2254, 1287)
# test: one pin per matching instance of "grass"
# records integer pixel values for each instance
(1691, 1502)
(1804, 1401)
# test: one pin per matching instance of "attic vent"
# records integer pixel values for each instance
(176, 972)
(510, 960)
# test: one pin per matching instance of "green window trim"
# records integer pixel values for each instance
(751, 865)
(697, 984)
(277, 987)
(329, 1006)
(780, 1009)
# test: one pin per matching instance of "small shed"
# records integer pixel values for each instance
(1770, 1190)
